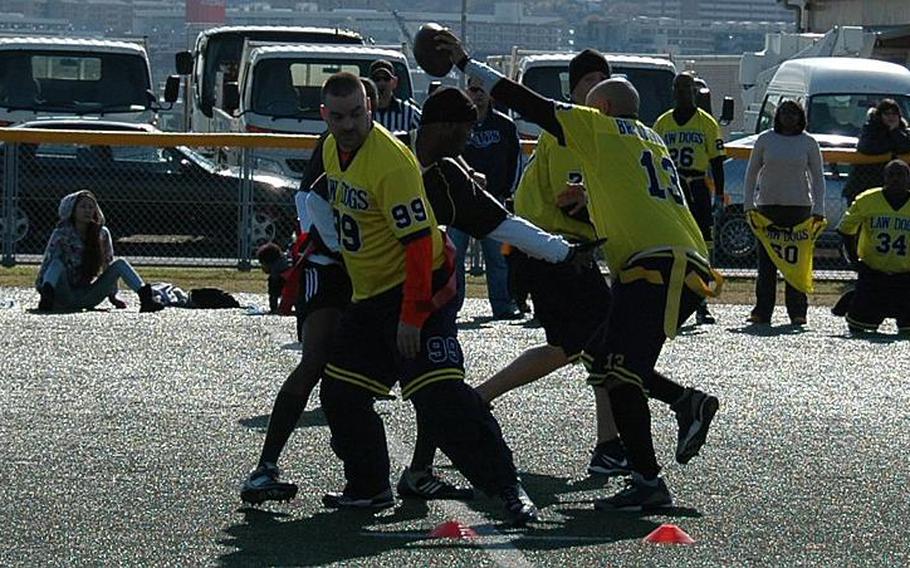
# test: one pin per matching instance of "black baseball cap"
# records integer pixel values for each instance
(382, 67)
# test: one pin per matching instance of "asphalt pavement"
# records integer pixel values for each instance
(125, 438)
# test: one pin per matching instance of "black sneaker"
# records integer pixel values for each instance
(263, 485)
(638, 495)
(46, 303)
(609, 459)
(693, 415)
(520, 508)
(427, 484)
(703, 315)
(383, 500)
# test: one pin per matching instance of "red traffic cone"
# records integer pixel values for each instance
(669, 534)
(452, 529)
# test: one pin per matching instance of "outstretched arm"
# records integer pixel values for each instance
(539, 110)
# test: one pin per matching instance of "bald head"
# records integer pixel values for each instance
(614, 97)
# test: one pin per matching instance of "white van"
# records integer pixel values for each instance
(836, 92)
(61, 77)
(548, 74)
(280, 92)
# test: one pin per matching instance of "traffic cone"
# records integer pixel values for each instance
(669, 534)
(452, 529)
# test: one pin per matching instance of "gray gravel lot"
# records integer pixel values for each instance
(125, 437)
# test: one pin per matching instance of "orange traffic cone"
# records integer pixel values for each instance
(452, 529)
(669, 534)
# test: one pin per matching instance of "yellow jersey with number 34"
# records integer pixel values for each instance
(694, 144)
(884, 232)
(380, 205)
(635, 200)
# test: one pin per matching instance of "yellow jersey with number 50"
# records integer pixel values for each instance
(884, 232)
(635, 199)
(694, 144)
(380, 205)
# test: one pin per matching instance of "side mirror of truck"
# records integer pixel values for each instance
(231, 99)
(172, 89)
(726, 113)
(184, 62)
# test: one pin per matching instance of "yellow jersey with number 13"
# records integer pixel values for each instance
(635, 200)
(380, 205)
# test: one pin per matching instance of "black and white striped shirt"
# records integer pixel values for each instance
(399, 115)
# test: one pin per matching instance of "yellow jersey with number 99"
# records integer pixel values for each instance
(380, 205)
(635, 200)
(884, 232)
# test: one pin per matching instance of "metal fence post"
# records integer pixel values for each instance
(246, 209)
(10, 191)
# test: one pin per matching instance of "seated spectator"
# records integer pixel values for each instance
(274, 263)
(78, 250)
(876, 231)
(885, 132)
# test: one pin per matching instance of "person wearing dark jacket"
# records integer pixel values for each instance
(493, 150)
(885, 132)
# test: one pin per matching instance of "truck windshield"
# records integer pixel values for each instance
(223, 51)
(844, 114)
(655, 86)
(291, 88)
(72, 81)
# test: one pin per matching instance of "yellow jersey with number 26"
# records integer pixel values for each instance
(694, 144)
(380, 205)
(635, 200)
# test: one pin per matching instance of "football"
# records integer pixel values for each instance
(435, 63)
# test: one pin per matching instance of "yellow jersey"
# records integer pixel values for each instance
(694, 144)
(635, 199)
(544, 178)
(790, 249)
(884, 233)
(380, 205)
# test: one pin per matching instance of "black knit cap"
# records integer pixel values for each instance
(447, 104)
(585, 62)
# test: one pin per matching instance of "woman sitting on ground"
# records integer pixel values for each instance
(79, 249)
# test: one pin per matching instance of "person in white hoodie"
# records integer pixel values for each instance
(78, 270)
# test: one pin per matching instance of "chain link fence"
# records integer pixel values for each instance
(169, 202)
(164, 204)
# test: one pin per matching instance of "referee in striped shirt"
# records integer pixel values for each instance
(393, 113)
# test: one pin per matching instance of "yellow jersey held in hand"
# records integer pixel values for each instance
(791, 248)
(380, 205)
(884, 232)
(694, 144)
(544, 178)
(635, 199)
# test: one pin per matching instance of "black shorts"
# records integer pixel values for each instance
(626, 347)
(570, 304)
(878, 296)
(698, 197)
(323, 286)
(365, 349)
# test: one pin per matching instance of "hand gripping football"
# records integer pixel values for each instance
(431, 60)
